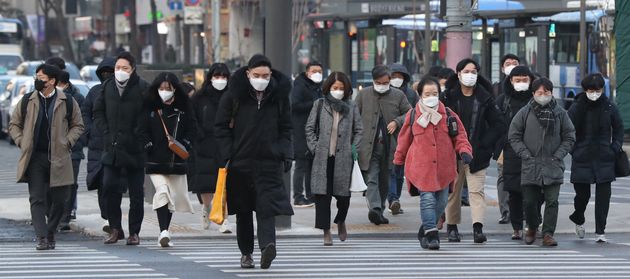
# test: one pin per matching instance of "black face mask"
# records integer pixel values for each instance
(106, 75)
(39, 84)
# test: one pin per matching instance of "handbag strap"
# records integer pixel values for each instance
(159, 112)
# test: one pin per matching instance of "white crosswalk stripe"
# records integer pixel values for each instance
(22, 261)
(390, 258)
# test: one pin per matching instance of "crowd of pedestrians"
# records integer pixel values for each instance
(438, 135)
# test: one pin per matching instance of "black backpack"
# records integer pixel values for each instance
(69, 107)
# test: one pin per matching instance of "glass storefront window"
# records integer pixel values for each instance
(367, 54)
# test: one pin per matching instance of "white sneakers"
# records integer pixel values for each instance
(601, 238)
(165, 239)
(580, 231)
(225, 227)
(205, 222)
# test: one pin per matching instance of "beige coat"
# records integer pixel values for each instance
(63, 137)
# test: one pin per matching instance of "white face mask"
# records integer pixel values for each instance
(594, 96)
(507, 70)
(469, 80)
(165, 95)
(442, 88)
(337, 94)
(122, 76)
(219, 84)
(317, 77)
(396, 82)
(259, 84)
(431, 101)
(543, 100)
(521, 86)
(381, 88)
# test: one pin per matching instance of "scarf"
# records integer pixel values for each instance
(121, 86)
(429, 115)
(337, 105)
(544, 114)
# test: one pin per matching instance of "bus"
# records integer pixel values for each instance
(11, 44)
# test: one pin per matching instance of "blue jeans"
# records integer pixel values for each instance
(432, 205)
(395, 184)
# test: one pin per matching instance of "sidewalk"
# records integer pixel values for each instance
(186, 225)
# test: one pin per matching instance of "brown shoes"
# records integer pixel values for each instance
(327, 238)
(133, 239)
(530, 236)
(549, 241)
(114, 236)
(342, 232)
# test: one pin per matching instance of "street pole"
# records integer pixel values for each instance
(458, 31)
(583, 43)
(427, 36)
(216, 31)
(278, 23)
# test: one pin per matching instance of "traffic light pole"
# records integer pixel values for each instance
(278, 24)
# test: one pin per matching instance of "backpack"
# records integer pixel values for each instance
(69, 107)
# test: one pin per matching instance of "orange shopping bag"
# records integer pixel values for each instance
(219, 201)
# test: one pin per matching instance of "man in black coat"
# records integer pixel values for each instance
(306, 89)
(118, 113)
(94, 137)
(253, 128)
(517, 93)
(468, 95)
(508, 63)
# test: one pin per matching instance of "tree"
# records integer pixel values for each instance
(60, 24)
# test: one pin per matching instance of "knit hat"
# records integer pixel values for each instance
(258, 60)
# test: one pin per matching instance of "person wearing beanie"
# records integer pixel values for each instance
(401, 80)
(77, 152)
(468, 95)
(517, 93)
(253, 130)
(541, 135)
(595, 118)
(382, 108)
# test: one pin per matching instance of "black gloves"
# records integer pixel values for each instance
(466, 158)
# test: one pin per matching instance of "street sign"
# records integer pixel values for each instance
(193, 15)
(193, 3)
(175, 5)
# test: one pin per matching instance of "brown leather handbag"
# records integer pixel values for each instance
(174, 145)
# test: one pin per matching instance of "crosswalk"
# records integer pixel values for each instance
(403, 258)
(22, 261)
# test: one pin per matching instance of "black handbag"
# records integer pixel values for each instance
(622, 165)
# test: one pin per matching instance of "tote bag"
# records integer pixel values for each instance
(219, 201)
(357, 184)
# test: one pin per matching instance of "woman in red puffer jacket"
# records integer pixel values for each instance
(428, 149)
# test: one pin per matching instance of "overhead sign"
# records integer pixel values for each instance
(193, 15)
(193, 2)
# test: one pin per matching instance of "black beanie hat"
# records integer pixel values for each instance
(258, 60)
(520, 70)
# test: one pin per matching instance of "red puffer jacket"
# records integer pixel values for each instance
(430, 160)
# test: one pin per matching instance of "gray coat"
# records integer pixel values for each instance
(541, 152)
(393, 105)
(350, 131)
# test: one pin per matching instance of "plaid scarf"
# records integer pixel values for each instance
(544, 114)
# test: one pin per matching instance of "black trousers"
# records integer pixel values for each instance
(102, 202)
(602, 204)
(302, 179)
(47, 203)
(515, 202)
(164, 216)
(114, 189)
(72, 197)
(266, 231)
(322, 202)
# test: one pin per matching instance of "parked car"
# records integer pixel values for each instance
(13, 91)
(88, 74)
(9, 62)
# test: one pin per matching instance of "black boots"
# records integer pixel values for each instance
(478, 235)
(433, 240)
